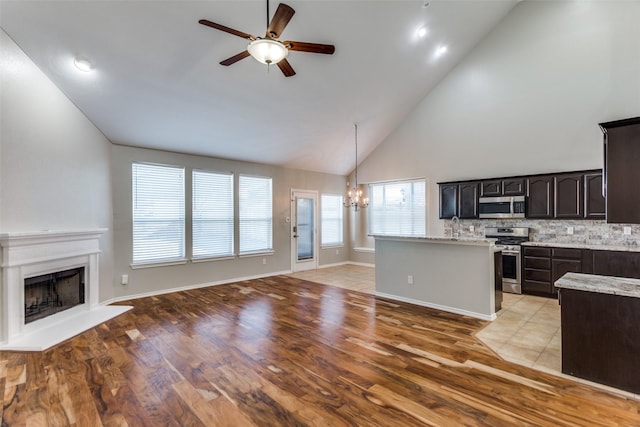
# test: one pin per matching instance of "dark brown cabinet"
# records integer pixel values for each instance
(497, 268)
(568, 194)
(542, 266)
(540, 197)
(571, 195)
(491, 188)
(594, 203)
(513, 187)
(622, 174)
(616, 263)
(502, 187)
(468, 200)
(448, 201)
(601, 338)
(536, 266)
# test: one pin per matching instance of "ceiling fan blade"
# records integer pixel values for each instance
(235, 58)
(310, 47)
(286, 68)
(283, 15)
(226, 29)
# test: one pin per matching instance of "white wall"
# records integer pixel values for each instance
(163, 278)
(54, 163)
(527, 100)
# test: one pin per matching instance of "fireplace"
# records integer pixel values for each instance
(49, 290)
(51, 293)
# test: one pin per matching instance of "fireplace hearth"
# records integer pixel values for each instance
(49, 290)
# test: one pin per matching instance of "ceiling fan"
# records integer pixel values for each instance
(268, 49)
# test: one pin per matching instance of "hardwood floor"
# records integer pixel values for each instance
(282, 351)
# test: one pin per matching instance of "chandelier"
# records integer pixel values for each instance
(354, 195)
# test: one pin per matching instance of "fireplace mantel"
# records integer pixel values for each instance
(29, 254)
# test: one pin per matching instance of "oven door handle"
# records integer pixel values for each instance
(507, 252)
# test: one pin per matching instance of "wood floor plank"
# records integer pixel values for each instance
(288, 352)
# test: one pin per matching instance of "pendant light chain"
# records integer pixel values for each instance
(354, 195)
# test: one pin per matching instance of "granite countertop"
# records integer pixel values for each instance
(623, 248)
(440, 239)
(600, 284)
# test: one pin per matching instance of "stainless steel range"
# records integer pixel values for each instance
(509, 240)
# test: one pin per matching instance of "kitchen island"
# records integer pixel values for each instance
(600, 335)
(455, 275)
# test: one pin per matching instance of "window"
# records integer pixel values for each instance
(158, 213)
(331, 211)
(256, 214)
(397, 208)
(212, 205)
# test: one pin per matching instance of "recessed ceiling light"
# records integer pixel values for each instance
(83, 64)
(441, 50)
(422, 31)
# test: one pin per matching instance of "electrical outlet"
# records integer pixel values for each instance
(125, 279)
(472, 228)
(264, 261)
(410, 279)
(337, 251)
(626, 231)
(569, 230)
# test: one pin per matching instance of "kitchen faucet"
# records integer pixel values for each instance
(455, 227)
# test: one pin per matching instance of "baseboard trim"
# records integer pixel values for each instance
(188, 287)
(437, 306)
(338, 264)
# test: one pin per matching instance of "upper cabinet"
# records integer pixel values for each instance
(540, 200)
(459, 200)
(594, 203)
(468, 200)
(621, 170)
(502, 187)
(569, 195)
(448, 200)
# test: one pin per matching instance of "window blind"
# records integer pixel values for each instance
(331, 220)
(397, 208)
(212, 214)
(256, 214)
(158, 213)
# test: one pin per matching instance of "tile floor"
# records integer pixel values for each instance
(527, 332)
(348, 276)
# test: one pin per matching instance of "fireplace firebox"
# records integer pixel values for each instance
(52, 293)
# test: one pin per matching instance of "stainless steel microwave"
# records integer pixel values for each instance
(502, 207)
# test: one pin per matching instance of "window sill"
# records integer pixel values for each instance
(337, 245)
(255, 254)
(158, 264)
(213, 258)
(368, 250)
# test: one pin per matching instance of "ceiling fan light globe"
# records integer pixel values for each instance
(267, 51)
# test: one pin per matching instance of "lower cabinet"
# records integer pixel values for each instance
(536, 266)
(616, 263)
(542, 266)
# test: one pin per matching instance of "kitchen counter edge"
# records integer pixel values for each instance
(621, 286)
(438, 239)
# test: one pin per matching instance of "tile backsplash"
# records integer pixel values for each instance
(589, 232)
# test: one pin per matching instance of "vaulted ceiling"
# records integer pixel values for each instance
(157, 82)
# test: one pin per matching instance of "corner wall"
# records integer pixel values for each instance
(528, 99)
(54, 163)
